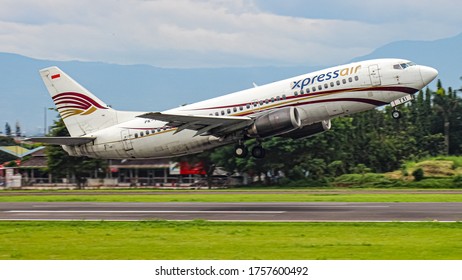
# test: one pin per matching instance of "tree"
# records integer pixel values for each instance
(446, 104)
(7, 129)
(18, 130)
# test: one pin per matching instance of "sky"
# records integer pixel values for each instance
(221, 33)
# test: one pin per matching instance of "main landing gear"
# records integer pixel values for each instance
(241, 151)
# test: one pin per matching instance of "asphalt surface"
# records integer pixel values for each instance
(316, 211)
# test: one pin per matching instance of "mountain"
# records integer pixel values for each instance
(444, 55)
(24, 98)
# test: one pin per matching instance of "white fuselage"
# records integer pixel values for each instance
(318, 96)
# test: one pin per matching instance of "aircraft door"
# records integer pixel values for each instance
(374, 74)
(126, 142)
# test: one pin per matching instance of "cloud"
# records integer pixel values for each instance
(197, 33)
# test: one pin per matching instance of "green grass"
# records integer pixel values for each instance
(229, 240)
(240, 197)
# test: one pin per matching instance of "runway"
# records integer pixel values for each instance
(312, 211)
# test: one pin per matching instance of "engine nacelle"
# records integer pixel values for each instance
(275, 123)
(309, 130)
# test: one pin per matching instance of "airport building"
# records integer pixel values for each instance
(32, 172)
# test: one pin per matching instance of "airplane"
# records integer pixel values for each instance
(297, 107)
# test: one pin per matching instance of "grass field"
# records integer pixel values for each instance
(241, 196)
(233, 240)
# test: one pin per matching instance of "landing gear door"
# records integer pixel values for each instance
(374, 75)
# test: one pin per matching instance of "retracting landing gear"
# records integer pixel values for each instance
(241, 151)
(258, 151)
(395, 113)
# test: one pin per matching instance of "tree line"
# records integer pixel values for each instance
(8, 131)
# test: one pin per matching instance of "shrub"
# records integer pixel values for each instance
(418, 174)
(457, 181)
(364, 180)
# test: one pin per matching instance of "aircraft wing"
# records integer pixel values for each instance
(69, 141)
(204, 125)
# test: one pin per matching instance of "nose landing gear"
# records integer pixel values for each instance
(395, 114)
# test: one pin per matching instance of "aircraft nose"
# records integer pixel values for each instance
(428, 74)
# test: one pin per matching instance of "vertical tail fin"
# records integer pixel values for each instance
(81, 111)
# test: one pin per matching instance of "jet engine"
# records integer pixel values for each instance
(275, 123)
(309, 130)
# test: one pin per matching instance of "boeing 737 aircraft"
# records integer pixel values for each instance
(298, 107)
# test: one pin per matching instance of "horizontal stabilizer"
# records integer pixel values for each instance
(69, 141)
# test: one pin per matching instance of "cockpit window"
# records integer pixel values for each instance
(403, 65)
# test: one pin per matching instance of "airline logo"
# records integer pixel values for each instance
(74, 103)
(301, 84)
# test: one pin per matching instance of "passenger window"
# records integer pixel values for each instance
(228, 111)
(283, 97)
(356, 78)
(332, 84)
(344, 81)
(296, 93)
(147, 132)
(272, 99)
(153, 131)
(320, 87)
(247, 106)
(313, 89)
(222, 113)
(338, 82)
(261, 102)
(141, 134)
(241, 108)
(326, 85)
(307, 91)
(350, 79)
(136, 135)
(266, 101)
(216, 114)
(277, 98)
(234, 109)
